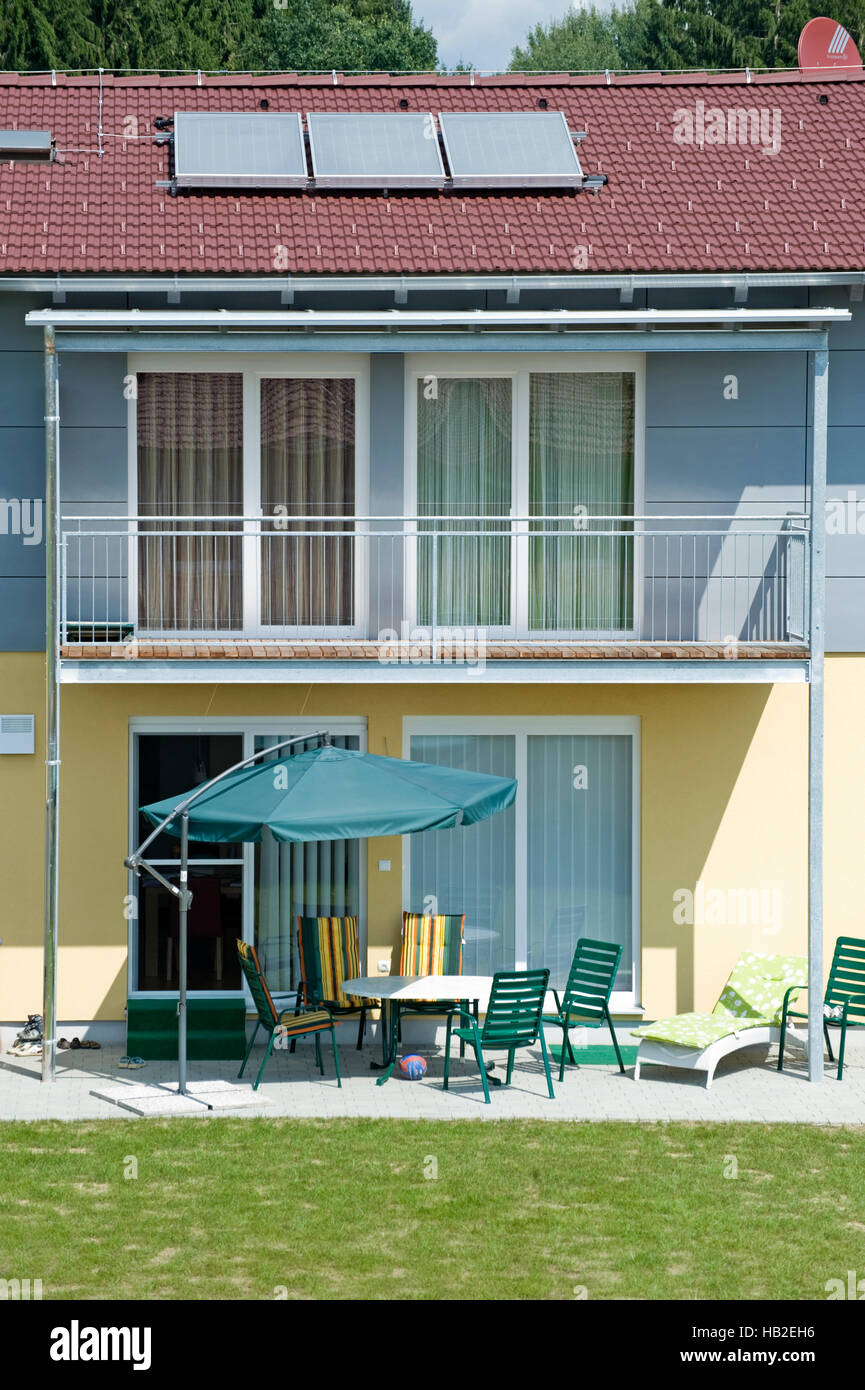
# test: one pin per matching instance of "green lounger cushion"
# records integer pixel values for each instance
(753, 997)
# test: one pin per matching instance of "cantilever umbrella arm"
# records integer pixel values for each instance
(136, 862)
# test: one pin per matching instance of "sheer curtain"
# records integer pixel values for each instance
(464, 469)
(579, 850)
(470, 869)
(581, 461)
(190, 463)
(307, 469)
(319, 879)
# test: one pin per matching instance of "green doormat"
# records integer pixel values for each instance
(597, 1056)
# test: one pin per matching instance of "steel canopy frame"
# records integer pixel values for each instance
(136, 862)
(734, 330)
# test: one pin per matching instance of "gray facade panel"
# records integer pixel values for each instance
(683, 390)
(845, 554)
(22, 461)
(91, 390)
(847, 387)
(725, 465)
(22, 615)
(845, 615)
(14, 333)
(387, 432)
(21, 389)
(845, 466)
(93, 466)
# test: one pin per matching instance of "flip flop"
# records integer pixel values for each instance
(132, 1063)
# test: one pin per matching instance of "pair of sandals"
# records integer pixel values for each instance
(23, 1048)
(64, 1044)
(132, 1063)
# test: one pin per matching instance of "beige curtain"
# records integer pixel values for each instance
(581, 463)
(307, 470)
(464, 469)
(190, 463)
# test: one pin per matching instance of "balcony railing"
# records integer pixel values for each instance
(530, 582)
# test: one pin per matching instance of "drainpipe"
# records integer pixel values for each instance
(52, 705)
(817, 640)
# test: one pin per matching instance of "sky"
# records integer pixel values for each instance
(484, 32)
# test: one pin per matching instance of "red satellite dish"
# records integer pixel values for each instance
(823, 43)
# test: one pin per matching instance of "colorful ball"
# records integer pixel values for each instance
(413, 1067)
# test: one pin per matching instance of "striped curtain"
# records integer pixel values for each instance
(190, 463)
(318, 879)
(307, 470)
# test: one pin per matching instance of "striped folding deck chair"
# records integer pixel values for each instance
(431, 946)
(329, 953)
(288, 1024)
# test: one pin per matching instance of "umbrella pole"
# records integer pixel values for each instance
(185, 899)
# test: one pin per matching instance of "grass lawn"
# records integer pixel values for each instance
(244, 1208)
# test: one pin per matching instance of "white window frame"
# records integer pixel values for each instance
(253, 367)
(518, 367)
(247, 729)
(520, 728)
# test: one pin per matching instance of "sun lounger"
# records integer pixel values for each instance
(747, 1014)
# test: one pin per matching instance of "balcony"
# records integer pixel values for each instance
(443, 590)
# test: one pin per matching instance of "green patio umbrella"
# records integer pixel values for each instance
(325, 793)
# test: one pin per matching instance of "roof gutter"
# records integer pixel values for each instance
(287, 286)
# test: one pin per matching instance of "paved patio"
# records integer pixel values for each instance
(747, 1086)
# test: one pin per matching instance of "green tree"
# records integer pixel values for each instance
(37, 34)
(666, 35)
(370, 35)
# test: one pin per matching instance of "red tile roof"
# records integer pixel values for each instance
(668, 206)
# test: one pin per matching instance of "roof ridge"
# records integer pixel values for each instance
(689, 77)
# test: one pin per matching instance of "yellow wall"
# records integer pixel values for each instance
(723, 802)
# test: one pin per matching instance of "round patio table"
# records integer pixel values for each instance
(387, 988)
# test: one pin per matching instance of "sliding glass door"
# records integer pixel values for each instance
(464, 469)
(558, 865)
(579, 847)
(190, 464)
(247, 488)
(470, 869)
(581, 479)
(251, 892)
(308, 503)
(526, 486)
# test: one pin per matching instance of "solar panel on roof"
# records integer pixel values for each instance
(238, 150)
(375, 150)
(525, 149)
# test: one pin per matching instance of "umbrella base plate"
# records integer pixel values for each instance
(200, 1098)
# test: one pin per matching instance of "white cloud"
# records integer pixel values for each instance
(484, 32)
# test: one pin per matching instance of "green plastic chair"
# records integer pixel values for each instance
(587, 994)
(513, 1019)
(844, 1000)
(287, 1024)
